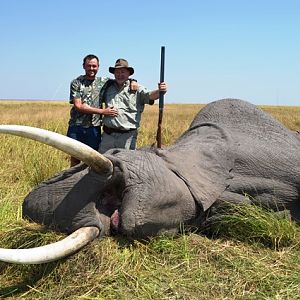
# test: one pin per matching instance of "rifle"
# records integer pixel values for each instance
(161, 97)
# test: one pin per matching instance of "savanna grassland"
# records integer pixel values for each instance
(252, 255)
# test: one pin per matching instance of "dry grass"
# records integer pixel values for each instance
(176, 119)
(188, 266)
(287, 115)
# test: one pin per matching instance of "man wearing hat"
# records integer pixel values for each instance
(121, 131)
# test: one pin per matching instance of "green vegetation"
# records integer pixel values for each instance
(253, 254)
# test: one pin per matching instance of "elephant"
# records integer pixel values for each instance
(231, 149)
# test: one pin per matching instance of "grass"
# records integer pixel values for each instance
(254, 254)
(253, 224)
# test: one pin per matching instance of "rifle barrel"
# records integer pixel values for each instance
(162, 76)
(161, 97)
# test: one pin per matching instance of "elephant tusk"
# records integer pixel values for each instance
(51, 252)
(91, 157)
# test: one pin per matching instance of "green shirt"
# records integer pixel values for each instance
(130, 106)
(88, 91)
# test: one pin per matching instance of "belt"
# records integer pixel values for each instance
(109, 130)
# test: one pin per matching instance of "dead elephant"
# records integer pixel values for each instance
(232, 148)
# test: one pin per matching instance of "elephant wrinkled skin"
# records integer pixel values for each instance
(232, 148)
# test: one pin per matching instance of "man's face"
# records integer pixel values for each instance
(91, 68)
(121, 75)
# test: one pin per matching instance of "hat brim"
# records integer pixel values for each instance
(112, 69)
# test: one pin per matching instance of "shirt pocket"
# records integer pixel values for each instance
(130, 100)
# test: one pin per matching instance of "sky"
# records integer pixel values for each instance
(246, 49)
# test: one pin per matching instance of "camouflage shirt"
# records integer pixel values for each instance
(88, 91)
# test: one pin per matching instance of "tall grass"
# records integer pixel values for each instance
(253, 224)
(254, 254)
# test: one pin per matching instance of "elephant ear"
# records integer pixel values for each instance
(203, 158)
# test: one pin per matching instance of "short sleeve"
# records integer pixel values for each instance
(74, 90)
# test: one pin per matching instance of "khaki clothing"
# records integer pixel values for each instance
(126, 140)
(130, 106)
(88, 91)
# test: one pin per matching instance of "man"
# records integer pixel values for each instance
(85, 119)
(120, 131)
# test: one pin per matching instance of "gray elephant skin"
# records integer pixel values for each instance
(231, 149)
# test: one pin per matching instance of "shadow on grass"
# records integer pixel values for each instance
(31, 274)
(31, 236)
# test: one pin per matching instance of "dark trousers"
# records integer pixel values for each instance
(90, 136)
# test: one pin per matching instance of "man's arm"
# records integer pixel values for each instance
(162, 87)
(87, 109)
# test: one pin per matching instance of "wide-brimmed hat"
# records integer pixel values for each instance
(121, 63)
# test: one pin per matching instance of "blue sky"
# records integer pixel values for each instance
(214, 49)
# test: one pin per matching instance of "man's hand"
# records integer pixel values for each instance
(110, 111)
(162, 87)
(133, 85)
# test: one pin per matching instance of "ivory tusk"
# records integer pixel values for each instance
(91, 157)
(51, 252)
